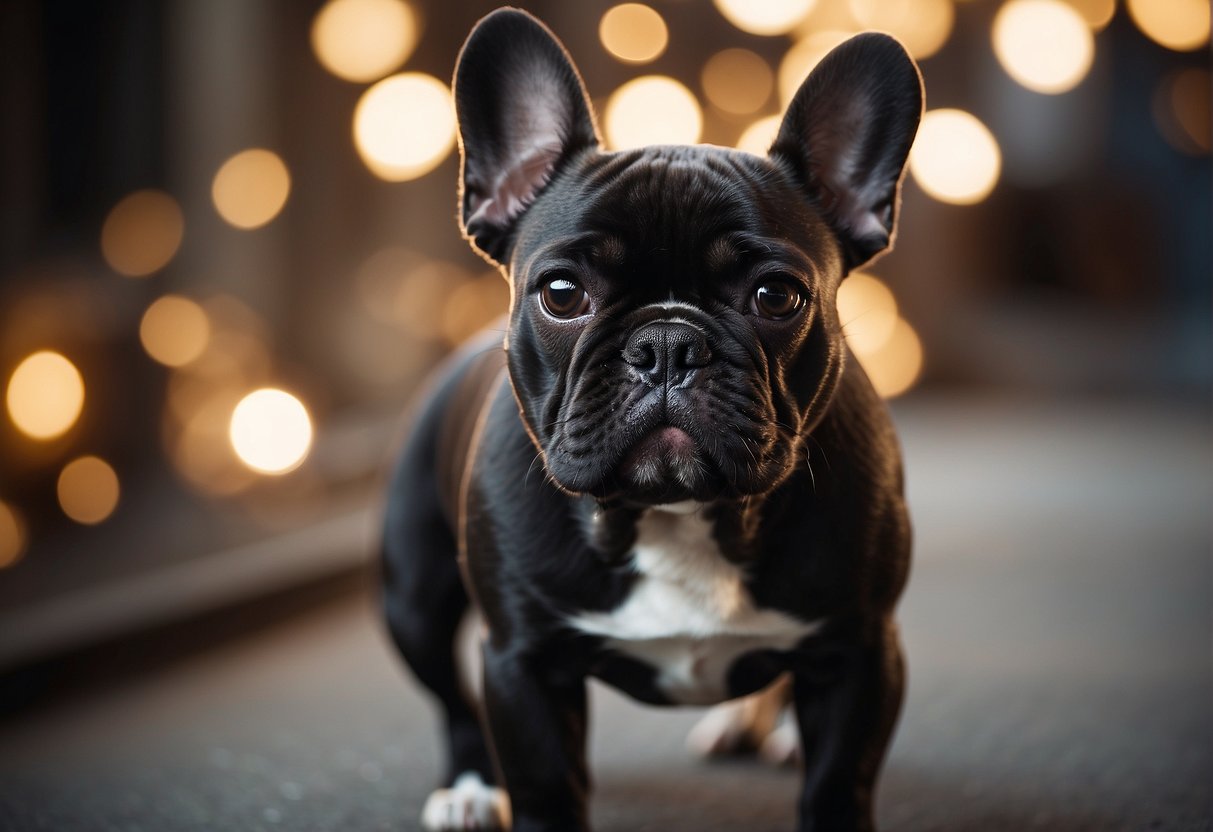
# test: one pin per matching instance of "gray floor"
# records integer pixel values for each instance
(1057, 624)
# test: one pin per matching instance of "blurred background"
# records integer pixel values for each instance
(228, 258)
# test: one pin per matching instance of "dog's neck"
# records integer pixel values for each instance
(610, 528)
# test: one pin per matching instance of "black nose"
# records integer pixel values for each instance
(666, 351)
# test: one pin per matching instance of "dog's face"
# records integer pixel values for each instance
(673, 332)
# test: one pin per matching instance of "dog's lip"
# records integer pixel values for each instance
(663, 440)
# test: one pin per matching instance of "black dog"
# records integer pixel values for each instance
(626, 487)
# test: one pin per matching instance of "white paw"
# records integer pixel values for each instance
(724, 730)
(782, 746)
(469, 804)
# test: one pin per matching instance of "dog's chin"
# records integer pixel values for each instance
(666, 466)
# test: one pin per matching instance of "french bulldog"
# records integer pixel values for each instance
(669, 474)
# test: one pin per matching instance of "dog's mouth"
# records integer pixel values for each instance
(666, 465)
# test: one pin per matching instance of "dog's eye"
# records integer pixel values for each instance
(564, 298)
(777, 299)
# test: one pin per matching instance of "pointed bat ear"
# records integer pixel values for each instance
(846, 135)
(523, 113)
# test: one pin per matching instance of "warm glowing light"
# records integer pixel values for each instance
(737, 81)
(1097, 13)
(895, 366)
(362, 40)
(1182, 110)
(271, 431)
(12, 536)
(867, 311)
(404, 126)
(633, 33)
(236, 355)
(1190, 94)
(765, 17)
(955, 157)
(826, 15)
(201, 448)
(805, 54)
(142, 233)
(251, 187)
(45, 395)
(923, 26)
(88, 490)
(652, 109)
(472, 305)
(174, 330)
(1045, 45)
(759, 136)
(1182, 25)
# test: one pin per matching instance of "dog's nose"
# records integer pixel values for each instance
(667, 351)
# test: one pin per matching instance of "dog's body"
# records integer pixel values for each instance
(671, 479)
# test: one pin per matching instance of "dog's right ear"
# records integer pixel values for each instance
(522, 112)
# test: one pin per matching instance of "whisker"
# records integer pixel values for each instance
(824, 455)
(527, 476)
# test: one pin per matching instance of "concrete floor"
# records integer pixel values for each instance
(1057, 625)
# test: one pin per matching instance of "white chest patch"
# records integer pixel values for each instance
(689, 614)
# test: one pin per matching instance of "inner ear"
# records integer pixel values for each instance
(522, 112)
(847, 134)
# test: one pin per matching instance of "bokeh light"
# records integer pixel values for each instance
(236, 355)
(199, 445)
(765, 17)
(737, 81)
(251, 187)
(827, 15)
(1182, 25)
(271, 431)
(473, 304)
(653, 109)
(404, 126)
(759, 136)
(45, 395)
(1045, 45)
(88, 490)
(403, 288)
(1097, 13)
(142, 233)
(633, 33)
(867, 311)
(805, 54)
(12, 535)
(363, 40)
(896, 365)
(1182, 110)
(955, 157)
(174, 330)
(923, 26)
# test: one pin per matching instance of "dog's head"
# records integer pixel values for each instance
(673, 333)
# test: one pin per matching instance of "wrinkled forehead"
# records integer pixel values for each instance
(673, 210)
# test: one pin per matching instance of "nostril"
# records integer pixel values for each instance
(693, 352)
(640, 354)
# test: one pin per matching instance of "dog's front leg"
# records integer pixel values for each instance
(537, 721)
(846, 722)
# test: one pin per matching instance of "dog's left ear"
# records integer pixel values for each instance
(846, 135)
(522, 112)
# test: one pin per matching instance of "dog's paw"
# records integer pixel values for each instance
(742, 726)
(725, 730)
(782, 746)
(468, 804)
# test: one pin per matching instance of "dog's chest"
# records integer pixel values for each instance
(689, 614)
